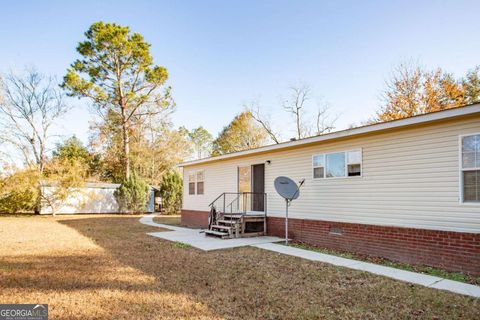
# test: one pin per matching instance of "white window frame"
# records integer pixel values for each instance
(324, 166)
(194, 183)
(197, 181)
(460, 170)
(346, 164)
(360, 163)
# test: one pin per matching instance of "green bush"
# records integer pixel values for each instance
(132, 195)
(19, 192)
(171, 192)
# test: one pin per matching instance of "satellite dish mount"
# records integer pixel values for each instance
(289, 190)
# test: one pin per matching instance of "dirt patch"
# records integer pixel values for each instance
(107, 267)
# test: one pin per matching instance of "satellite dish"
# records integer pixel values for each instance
(287, 188)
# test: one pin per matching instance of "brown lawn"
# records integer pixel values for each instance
(106, 267)
(173, 220)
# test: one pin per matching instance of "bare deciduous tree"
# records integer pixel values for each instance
(31, 105)
(324, 123)
(264, 120)
(297, 105)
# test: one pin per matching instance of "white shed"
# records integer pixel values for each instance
(91, 198)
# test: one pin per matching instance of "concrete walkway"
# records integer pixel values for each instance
(402, 275)
(198, 240)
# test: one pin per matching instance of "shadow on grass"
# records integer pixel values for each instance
(69, 273)
(241, 283)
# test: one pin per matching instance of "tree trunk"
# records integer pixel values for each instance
(299, 129)
(38, 205)
(126, 146)
(126, 141)
(126, 151)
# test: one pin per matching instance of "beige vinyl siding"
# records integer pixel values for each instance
(410, 178)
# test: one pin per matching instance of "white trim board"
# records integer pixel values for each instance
(420, 119)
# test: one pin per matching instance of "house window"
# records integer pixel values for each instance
(470, 168)
(200, 181)
(319, 166)
(354, 163)
(191, 183)
(337, 165)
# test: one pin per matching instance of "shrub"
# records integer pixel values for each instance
(171, 192)
(62, 179)
(19, 191)
(132, 195)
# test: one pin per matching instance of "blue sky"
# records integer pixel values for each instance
(222, 54)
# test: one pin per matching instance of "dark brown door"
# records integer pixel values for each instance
(258, 187)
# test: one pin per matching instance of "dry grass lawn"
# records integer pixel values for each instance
(106, 267)
(173, 220)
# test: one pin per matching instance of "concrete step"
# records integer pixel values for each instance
(216, 233)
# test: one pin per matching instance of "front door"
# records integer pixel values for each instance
(258, 187)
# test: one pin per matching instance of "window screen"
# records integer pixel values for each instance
(471, 168)
(200, 181)
(191, 183)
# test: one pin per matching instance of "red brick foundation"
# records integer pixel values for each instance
(195, 219)
(455, 251)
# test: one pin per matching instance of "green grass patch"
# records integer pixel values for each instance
(183, 245)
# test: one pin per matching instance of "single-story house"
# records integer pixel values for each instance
(407, 190)
(93, 197)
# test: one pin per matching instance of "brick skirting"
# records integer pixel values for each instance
(455, 251)
(194, 218)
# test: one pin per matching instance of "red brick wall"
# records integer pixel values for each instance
(195, 219)
(453, 251)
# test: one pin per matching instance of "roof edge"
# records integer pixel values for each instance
(424, 118)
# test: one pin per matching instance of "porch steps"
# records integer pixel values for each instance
(226, 228)
(243, 215)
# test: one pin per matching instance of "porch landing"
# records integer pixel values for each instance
(197, 238)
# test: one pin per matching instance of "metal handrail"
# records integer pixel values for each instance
(245, 202)
(231, 202)
(221, 195)
(225, 193)
(238, 195)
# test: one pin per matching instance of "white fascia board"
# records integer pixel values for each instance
(425, 118)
